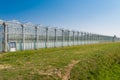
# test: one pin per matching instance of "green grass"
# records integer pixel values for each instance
(96, 62)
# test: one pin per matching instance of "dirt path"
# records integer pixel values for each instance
(64, 76)
(68, 70)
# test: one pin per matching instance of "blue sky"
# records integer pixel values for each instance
(97, 16)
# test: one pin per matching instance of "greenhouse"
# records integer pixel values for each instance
(17, 36)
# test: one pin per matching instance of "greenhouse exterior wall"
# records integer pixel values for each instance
(28, 36)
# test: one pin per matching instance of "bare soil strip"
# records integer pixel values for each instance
(68, 70)
(64, 76)
(4, 66)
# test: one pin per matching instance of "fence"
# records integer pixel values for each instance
(29, 36)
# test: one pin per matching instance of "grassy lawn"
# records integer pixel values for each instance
(86, 62)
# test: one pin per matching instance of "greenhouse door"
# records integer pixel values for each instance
(1, 38)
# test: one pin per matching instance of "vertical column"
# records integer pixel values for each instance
(5, 38)
(87, 37)
(55, 40)
(47, 38)
(23, 37)
(93, 38)
(114, 37)
(84, 37)
(68, 38)
(62, 37)
(73, 37)
(81, 37)
(90, 38)
(78, 38)
(98, 39)
(36, 37)
(101, 38)
(95, 35)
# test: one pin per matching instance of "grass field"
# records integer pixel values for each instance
(86, 62)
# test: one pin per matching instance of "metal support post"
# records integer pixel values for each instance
(87, 38)
(23, 37)
(81, 38)
(84, 37)
(73, 37)
(68, 38)
(90, 38)
(47, 38)
(78, 38)
(55, 40)
(36, 37)
(114, 37)
(62, 37)
(5, 38)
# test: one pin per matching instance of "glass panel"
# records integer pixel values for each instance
(14, 32)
